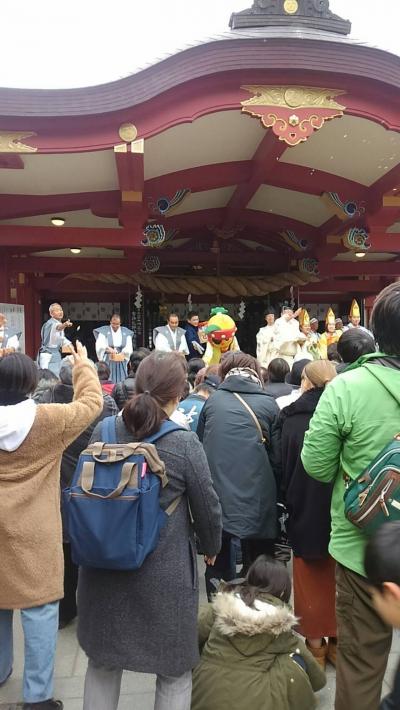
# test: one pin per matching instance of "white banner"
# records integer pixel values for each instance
(15, 320)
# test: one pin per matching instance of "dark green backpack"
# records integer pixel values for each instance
(373, 498)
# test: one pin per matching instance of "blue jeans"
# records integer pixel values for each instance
(40, 626)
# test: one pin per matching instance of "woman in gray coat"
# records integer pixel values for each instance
(241, 437)
(146, 620)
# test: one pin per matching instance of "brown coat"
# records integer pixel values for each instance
(31, 556)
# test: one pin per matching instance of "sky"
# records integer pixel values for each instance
(71, 43)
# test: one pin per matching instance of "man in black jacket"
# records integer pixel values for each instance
(196, 349)
(241, 437)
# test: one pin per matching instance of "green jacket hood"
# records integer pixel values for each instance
(383, 368)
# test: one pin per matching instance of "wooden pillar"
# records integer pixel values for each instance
(22, 292)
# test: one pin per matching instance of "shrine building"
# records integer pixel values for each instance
(259, 166)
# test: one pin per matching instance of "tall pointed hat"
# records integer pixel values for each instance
(304, 318)
(354, 309)
(330, 317)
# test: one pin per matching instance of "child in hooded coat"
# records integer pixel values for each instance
(250, 656)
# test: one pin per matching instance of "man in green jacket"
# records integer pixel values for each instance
(356, 417)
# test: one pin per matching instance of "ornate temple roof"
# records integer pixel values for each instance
(314, 14)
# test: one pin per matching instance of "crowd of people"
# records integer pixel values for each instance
(253, 436)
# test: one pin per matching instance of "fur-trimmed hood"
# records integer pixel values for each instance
(269, 616)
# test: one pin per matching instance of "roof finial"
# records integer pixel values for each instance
(306, 13)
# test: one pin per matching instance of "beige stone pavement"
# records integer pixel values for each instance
(137, 689)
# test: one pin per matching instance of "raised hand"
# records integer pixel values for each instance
(79, 353)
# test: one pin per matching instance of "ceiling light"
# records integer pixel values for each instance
(58, 221)
(75, 251)
(360, 254)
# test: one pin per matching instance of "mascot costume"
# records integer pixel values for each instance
(220, 331)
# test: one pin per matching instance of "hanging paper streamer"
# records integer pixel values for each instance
(189, 301)
(242, 310)
(137, 318)
(138, 299)
(292, 301)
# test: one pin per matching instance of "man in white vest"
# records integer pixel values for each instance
(170, 337)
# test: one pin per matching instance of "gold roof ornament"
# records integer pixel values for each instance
(128, 132)
(354, 309)
(12, 142)
(290, 6)
(304, 318)
(330, 317)
(293, 112)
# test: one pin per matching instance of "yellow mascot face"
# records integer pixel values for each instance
(221, 329)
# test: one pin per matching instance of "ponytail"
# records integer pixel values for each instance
(142, 415)
(160, 379)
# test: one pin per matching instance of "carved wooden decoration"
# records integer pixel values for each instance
(293, 112)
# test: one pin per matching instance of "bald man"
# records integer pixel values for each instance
(53, 339)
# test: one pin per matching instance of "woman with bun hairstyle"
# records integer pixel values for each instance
(308, 502)
(146, 620)
(250, 656)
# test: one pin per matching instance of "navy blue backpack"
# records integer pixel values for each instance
(112, 507)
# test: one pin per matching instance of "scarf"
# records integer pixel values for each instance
(245, 373)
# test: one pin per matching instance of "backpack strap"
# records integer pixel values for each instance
(167, 427)
(109, 430)
(253, 416)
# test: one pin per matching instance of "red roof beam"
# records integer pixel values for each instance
(270, 221)
(170, 258)
(39, 238)
(359, 268)
(17, 206)
(350, 286)
(129, 160)
(264, 161)
(314, 182)
(199, 179)
(284, 175)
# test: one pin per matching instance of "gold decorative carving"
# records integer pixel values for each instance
(138, 147)
(11, 142)
(290, 7)
(274, 106)
(128, 132)
(293, 96)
